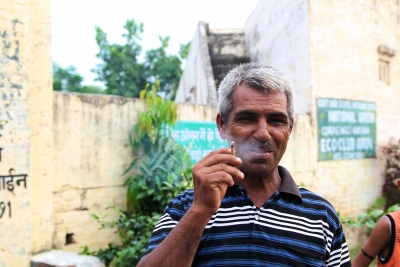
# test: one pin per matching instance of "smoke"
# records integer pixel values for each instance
(245, 148)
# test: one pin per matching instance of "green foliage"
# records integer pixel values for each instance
(68, 80)
(161, 168)
(184, 50)
(162, 172)
(391, 197)
(159, 114)
(122, 72)
(165, 68)
(391, 155)
(372, 216)
(134, 230)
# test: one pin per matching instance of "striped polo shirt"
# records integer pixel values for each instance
(294, 227)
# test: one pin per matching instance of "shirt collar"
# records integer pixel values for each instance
(288, 185)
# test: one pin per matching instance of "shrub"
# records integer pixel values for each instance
(372, 216)
(161, 168)
(391, 197)
(390, 190)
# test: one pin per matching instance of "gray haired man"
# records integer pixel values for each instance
(245, 209)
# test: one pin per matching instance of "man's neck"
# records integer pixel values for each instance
(261, 189)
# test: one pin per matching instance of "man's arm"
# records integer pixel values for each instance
(376, 243)
(212, 176)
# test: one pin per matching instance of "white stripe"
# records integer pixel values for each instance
(291, 230)
(229, 219)
(291, 225)
(230, 224)
(287, 215)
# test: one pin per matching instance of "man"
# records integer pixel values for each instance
(245, 210)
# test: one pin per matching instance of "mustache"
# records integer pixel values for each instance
(266, 146)
(258, 146)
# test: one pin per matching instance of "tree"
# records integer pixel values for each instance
(122, 72)
(164, 68)
(68, 80)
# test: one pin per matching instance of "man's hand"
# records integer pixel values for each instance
(212, 175)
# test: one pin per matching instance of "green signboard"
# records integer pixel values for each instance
(346, 129)
(199, 138)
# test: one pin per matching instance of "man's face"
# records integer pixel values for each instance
(260, 127)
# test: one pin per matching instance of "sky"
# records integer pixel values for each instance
(73, 25)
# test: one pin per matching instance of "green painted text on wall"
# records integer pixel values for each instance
(198, 137)
(346, 129)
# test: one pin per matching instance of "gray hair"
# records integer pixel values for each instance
(262, 77)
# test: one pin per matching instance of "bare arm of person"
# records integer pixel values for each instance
(212, 175)
(377, 242)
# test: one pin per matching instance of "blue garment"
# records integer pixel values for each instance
(295, 227)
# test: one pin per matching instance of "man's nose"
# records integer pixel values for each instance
(262, 133)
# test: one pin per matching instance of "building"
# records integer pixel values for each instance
(340, 57)
(62, 155)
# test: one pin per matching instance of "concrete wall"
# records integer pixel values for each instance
(330, 49)
(344, 41)
(276, 32)
(197, 84)
(91, 151)
(227, 48)
(324, 55)
(26, 130)
(73, 148)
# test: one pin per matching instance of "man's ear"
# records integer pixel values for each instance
(291, 125)
(221, 126)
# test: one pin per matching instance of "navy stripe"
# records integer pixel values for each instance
(286, 231)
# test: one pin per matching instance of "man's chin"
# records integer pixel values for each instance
(257, 168)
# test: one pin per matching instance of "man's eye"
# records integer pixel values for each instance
(244, 119)
(277, 121)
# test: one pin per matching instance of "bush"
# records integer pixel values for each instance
(390, 190)
(161, 168)
(134, 230)
(372, 216)
(391, 197)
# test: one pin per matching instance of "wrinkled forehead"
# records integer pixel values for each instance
(245, 96)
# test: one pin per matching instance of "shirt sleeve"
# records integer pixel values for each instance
(169, 219)
(338, 253)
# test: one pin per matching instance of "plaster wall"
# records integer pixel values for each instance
(276, 32)
(197, 84)
(26, 147)
(73, 148)
(326, 48)
(330, 49)
(91, 152)
(344, 41)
